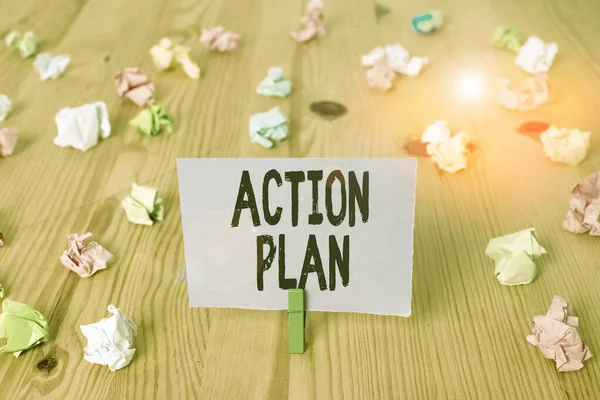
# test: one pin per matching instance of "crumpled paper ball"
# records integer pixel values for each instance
(535, 93)
(535, 56)
(152, 120)
(449, 153)
(275, 84)
(8, 141)
(219, 39)
(5, 106)
(313, 22)
(381, 76)
(27, 44)
(556, 336)
(507, 37)
(50, 67)
(22, 326)
(85, 259)
(514, 257)
(268, 128)
(567, 146)
(166, 53)
(110, 340)
(82, 127)
(143, 206)
(133, 84)
(584, 213)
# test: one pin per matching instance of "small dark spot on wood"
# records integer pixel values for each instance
(328, 110)
(106, 58)
(47, 364)
(381, 11)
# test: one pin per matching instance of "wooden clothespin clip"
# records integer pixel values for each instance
(296, 320)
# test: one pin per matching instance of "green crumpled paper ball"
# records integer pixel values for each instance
(152, 120)
(22, 327)
(507, 37)
(27, 43)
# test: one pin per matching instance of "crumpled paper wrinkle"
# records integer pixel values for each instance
(81, 127)
(400, 60)
(567, 146)
(514, 257)
(110, 340)
(535, 93)
(508, 38)
(428, 22)
(5, 106)
(584, 213)
(219, 39)
(22, 327)
(166, 53)
(450, 154)
(133, 84)
(436, 132)
(274, 85)
(143, 206)
(373, 56)
(50, 67)
(397, 57)
(27, 44)
(555, 334)
(381, 76)
(8, 141)
(313, 22)
(268, 128)
(85, 259)
(152, 120)
(535, 56)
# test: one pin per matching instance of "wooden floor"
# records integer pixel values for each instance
(466, 337)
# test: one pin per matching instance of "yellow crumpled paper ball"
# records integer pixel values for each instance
(567, 146)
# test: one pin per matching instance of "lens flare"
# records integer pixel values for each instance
(470, 86)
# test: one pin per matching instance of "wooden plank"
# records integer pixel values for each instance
(466, 337)
(138, 281)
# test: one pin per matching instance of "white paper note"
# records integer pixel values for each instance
(224, 264)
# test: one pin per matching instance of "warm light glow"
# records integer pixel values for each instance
(470, 86)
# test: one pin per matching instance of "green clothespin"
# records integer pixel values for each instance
(296, 320)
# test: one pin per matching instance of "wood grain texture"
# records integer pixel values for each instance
(466, 337)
